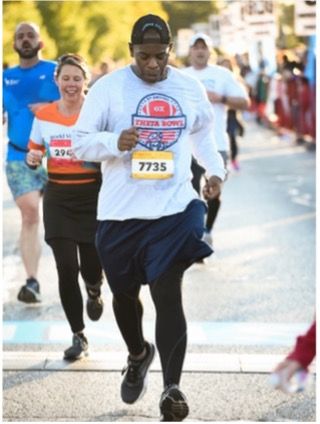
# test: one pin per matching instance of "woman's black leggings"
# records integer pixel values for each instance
(65, 252)
(171, 327)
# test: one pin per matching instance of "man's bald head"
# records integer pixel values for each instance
(27, 41)
(34, 27)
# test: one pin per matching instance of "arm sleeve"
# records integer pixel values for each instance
(203, 140)
(91, 141)
(305, 348)
(35, 141)
(235, 88)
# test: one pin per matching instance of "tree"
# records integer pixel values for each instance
(184, 13)
(15, 12)
(65, 23)
(112, 22)
(94, 29)
(287, 38)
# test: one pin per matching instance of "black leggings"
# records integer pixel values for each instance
(65, 252)
(213, 204)
(233, 146)
(171, 327)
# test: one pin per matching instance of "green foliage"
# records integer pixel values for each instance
(98, 30)
(112, 22)
(15, 12)
(65, 24)
(95, 29)
(287, 38)
(183, 13)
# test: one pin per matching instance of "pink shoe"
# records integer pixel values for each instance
(235, 165)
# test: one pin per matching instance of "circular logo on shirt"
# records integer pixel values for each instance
(159, 120)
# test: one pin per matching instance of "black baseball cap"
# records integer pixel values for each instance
(147, 22)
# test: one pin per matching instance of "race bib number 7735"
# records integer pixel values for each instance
(152, 165)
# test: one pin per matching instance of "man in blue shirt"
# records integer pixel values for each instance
(27, 87)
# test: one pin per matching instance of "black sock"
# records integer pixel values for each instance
(146, 350)
(81, 335)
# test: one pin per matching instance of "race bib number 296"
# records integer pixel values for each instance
(60, 149)
(152, 165)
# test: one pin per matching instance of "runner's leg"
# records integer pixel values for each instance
(128, 311)
(171, 327)
(66, 257)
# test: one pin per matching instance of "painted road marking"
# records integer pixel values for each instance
(199, 333)
(114, 361)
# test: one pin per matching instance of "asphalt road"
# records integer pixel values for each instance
(250, 298)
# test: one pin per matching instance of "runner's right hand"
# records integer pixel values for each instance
(34, 157)
(128, 139)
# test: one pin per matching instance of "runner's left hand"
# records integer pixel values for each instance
(212, 188)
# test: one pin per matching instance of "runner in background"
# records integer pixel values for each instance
(104, 69)
(235, 126)
(70, 200)
(223, 91)
(27, 87)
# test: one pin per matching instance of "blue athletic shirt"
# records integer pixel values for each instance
(21, 87)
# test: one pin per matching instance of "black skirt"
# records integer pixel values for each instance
(138, 251)
(70, 211)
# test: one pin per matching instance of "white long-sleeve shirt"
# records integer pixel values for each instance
(221, 81)
(173, 115)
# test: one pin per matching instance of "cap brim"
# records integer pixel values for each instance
(205, 38)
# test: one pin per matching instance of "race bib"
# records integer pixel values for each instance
(152, 165)
(60, 149)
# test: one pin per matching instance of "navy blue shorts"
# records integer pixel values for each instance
(138, 251)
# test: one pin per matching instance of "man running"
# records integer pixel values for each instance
(26, 88)
(143, 122)
(224, 92)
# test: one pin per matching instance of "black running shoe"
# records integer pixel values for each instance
(134, 383)
(94, 305)
(78, 349)
(173, 404)
(30, 292)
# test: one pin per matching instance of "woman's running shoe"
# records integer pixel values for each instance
(78, 349)
(30, 292)
(94, 305)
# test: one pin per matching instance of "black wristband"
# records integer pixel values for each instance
(30, 166)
